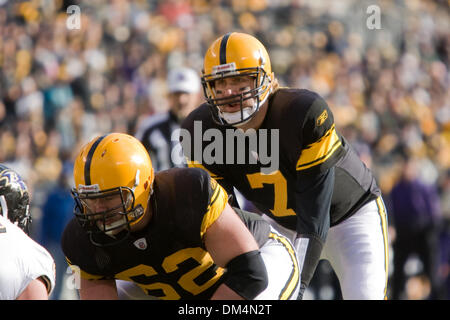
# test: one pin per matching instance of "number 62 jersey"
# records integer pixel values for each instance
(167, 259)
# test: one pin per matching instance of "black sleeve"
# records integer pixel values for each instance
(232, 199)
(194, 193)
(321, 148)
(187, 135)
(313, 194)
(321, 145)
(201, 199)
(313, 198)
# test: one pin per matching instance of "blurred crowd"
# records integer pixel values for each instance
(387, 87)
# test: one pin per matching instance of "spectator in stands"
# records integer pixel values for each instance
(389, 85)
(416, 214)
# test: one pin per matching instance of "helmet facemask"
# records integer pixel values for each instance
(259, 92)
(113, 176)
(115, 221)
(14, 199)
(20, 216)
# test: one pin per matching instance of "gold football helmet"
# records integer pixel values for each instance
(232, 55)
(113, 166)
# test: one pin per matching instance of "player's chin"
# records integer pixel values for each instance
(111, 228)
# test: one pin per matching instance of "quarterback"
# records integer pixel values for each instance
(321, 194)
(171, 235)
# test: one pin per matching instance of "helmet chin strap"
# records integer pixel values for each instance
(233, 117)
(245, 113)
(113, 226)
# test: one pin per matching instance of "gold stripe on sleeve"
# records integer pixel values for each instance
(319, 151)
(217, 203)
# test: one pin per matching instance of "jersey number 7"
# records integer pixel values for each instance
(258, 179)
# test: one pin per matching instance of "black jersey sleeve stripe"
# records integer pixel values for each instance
(87, 165)
(223, 49)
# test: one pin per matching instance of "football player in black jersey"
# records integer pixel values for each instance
(173, 233)
(313, 187)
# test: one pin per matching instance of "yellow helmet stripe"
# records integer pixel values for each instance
(87, 165)
(223, 48)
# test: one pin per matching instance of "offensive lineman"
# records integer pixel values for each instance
(171, 233)
(27, 270)
(321, 194)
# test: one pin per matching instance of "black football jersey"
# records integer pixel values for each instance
(299, 128)
(168, 259)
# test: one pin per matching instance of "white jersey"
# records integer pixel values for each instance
(21, 261)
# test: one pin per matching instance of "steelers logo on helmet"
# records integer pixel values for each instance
(113, 181)
(236, 55)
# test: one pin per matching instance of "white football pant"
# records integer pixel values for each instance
(357, 250)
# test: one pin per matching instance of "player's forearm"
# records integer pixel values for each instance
(314, 195)
(308, 248)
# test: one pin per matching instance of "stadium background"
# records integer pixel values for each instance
(388, 88)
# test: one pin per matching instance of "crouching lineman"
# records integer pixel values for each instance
(27, 270)
(172, 234)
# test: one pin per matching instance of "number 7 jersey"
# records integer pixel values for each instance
(297, 139)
